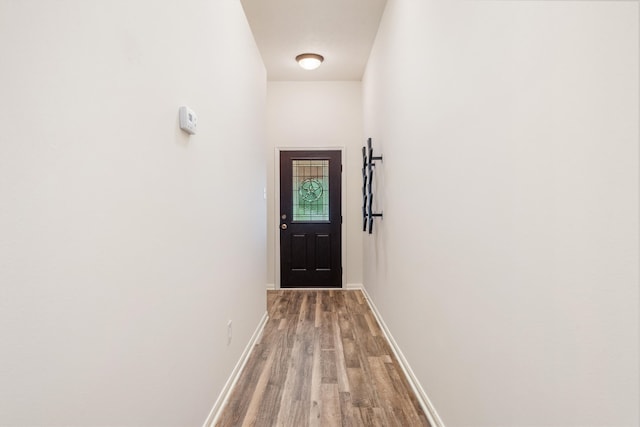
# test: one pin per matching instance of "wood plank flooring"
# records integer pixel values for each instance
(322, 361)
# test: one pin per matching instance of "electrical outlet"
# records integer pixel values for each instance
(229, 331)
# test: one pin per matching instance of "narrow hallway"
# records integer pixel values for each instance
(322, 361)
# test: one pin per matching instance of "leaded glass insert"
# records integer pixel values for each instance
(310, 190)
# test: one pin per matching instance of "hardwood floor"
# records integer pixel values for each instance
(322, 361)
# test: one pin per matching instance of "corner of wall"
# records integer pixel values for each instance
(423, 399)
(224, 395)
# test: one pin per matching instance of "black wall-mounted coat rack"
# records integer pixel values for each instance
(368, 164)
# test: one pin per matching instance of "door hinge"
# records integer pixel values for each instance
(340, 219)
(341, 168)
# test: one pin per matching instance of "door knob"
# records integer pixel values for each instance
(283, 226)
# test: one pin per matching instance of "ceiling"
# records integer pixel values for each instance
(342, 31)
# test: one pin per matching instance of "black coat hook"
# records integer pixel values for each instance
(368, 162)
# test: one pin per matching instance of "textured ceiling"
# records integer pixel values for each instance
(342, 31)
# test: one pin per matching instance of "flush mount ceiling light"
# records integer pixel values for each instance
(309, 61)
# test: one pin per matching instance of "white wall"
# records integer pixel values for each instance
(318, 115)
(125, 243)
(506, 265)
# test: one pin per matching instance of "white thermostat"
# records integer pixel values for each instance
(188, 120)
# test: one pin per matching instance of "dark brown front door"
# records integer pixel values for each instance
(310, 219)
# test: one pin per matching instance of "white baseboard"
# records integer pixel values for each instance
(271, 286)
(425, 403)
(216, 411)
(354, 286)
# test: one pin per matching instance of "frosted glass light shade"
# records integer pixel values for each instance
(309, 61)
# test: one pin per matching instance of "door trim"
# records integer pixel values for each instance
(276, 207)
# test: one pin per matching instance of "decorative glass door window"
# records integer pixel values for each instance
(310, 190)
